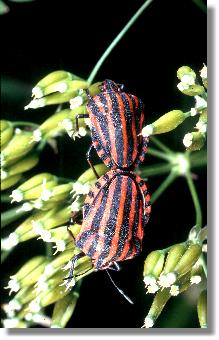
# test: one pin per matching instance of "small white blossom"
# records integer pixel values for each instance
(153, 288)
(34, 305)
(174, 290)
(60, 246)
(10, 323)
(37, 135)
(188, 79)
(204, 72)
(201, 103)
(13, 285)
(35, 103)
(76, 102)
(149, 280)
(147, 130)
(148, 322)
(16, 195)
(195, 279)
(193, 112)
(201, 126)
(11, 241)
(37, 92)
(25, 207)
(182, 86)
(187, 140)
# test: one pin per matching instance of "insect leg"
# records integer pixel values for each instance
(80, 116)
(89, 161)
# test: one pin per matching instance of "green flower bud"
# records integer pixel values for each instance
(169, 121)
(58, 262)
(10, 181)
(6, 132)
(190, 90)
(186, 71)
(83, 97)
(157, 306)
(19, 146)
(202, 309)
(51, 78)
(168, 277)
(22, 165)
(89, 175)
(33, 188)
(204, 76)
(54, 98)
(63, 310)
(25, 230)
(194, 141)
(28, 267)
(14, 323)
(54, 294)
(153, 266)
(28, 274)
(64, 85)
(189, 258)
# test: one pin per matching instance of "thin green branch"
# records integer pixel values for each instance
(23, 123)
(116, 40)
(160, 145)
(195, 199)
(159, 154)
(155, 170)
(11, 215)
(164, 185)
(201, 5)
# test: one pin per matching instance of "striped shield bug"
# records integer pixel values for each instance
(114, 215)
(116, 123)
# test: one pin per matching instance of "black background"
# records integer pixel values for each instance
(44, 36)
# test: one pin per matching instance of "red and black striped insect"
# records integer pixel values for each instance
(116, 123)
(114, 215)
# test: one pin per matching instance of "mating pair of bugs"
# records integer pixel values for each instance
(118, 206)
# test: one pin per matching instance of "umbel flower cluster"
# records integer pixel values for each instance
(46, 202)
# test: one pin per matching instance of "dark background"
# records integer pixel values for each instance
(44, 36)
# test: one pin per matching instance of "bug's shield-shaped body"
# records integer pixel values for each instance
(115, 213)
(116, 123)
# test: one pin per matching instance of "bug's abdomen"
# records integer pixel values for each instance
(114, 212)
(117, 120)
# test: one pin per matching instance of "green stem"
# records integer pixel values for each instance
(23, 123)
(160, 145)
(5, 198)
(159, 154)
(201, 5)
(198, 159)
(195, 200)
(116, 40)
(11, 215)
(155, 170)
(164, 185)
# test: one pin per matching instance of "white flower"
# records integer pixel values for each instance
(16, 195)
(174, 290)
(147, 130)
(76, 102)
(148, 322)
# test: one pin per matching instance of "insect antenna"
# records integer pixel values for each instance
(120, 290)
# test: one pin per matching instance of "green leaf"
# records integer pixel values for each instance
(3, 8)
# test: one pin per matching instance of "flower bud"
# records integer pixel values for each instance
(83, 95)
(63, 310)
(89, 175)
(25, 230)
(63, 86)
(204, 76)
(186, 71)
(54, 98)
(33, 187)
(194, 141)
(165, 123)
(28, 274)
(10, 181)
(54, 293)
(14, 323)
(6, 132)
(51, 78)
(190, 90)
(157, 306)
(202, 309)
(153, 266)
(22, 165)
(189, 258)
(168, 277)
(18, 146)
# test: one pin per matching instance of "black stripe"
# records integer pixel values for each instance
(124, 231)
(115, 117)
(111, 223)
(95, 223)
